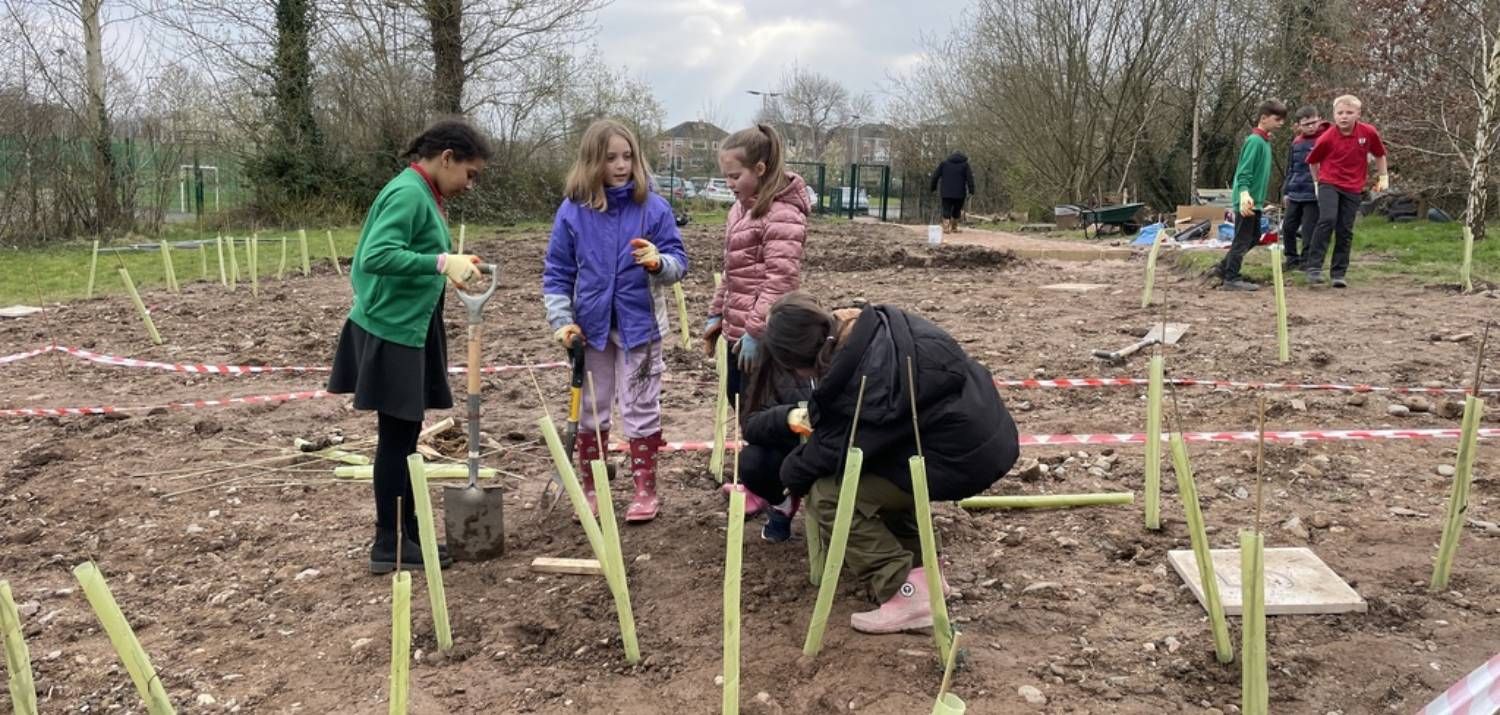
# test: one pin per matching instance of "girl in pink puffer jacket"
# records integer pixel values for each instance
(762, 252)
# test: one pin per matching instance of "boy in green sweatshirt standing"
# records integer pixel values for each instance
(1249, 193)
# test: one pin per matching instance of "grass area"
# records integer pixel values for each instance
(1426, 252)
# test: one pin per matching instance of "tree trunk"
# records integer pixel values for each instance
(1484, 144)
(98, 114)
(294, 164)
(445, 18)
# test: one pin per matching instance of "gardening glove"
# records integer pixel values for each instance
(797, 421)
(749, 352)
(567, 334)
(1247, 204)
(711, 331)
(459, 268)
(646, 254)
(1382, 183)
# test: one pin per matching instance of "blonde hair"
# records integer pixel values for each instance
(756, 145)
(585, 185)
(1348, 99)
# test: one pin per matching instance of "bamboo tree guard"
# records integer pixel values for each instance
(570, 484)
(167, 269)
(854, 461)
(146, 680)
(400, 640)
(1466, 269)
(462, 229)
(1254, 696)
(1187, 488)
(619, 586)
(1151, 269)
(93, 270)
(721, 408)
(281, 267)
(1278, 281)
(1047, 501)
(815, 550)
(234, 262)
(17, 658)
(1153, 442)
(1458, 497)
(202, 261)
(433, 471)
(252, 253)
(734, 547)
(942, 629)
(718, 280)
(333, 254)
(140, 306)
(223, 274)
(306, 259)
(430, 564)
(682, 316)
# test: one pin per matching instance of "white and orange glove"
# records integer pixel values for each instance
(1382, 183)
(1247, 204)
(459, 268)
(567, 334)
(797, 422)
(646, 255)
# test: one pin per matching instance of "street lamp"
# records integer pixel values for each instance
(765, 96)
(854, 152)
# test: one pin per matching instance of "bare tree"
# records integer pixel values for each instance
(814, 107)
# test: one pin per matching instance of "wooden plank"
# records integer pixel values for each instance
(1297, 582)
(578, 567)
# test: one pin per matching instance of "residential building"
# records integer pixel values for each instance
(690, 147)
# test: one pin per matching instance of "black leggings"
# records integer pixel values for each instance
(396, 440)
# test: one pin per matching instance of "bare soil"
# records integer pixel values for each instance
(251, 591)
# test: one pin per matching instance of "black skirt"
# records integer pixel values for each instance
(390, 378)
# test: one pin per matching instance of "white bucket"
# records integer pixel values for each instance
(934, 235)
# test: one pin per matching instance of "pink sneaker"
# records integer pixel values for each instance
(908, 610)
(753, 504)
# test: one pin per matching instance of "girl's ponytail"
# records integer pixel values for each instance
(762, 144)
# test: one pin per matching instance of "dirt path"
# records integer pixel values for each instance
(1031, 246)
(253, 592)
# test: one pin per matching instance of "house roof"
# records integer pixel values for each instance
(695, 130)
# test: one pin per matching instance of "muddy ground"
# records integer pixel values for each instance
(250, 592)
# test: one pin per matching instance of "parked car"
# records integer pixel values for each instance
(861, 198)
(674, 187)
(717, 190)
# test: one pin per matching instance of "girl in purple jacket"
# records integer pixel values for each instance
(613, 242)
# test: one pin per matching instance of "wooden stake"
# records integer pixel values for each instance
(1283, 340)
(462, 230)
(1260, 463)
(1153, 442)
(576, 567)
(306, 259)
(140, 306)
(93, 270)
(433, 471)
(1188, 489)
(839, 539)
(17, 658)
(430, 564)
(333, 254)
(132, 655)
(400, 639)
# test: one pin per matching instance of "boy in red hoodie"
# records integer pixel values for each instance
(1340, 167)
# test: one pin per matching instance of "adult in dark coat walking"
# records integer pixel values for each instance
(953, 181)
(967, 436)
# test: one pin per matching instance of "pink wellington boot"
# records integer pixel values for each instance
(588, 449)
(644, 504)
(908, 610)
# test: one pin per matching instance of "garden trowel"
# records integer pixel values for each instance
(1164, 333)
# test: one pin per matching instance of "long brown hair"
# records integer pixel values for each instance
(756, 145)
(801, 334)
(585, 183)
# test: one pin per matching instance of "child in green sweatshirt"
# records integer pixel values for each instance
(1249, 192)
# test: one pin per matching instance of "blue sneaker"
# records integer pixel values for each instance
(778, 528)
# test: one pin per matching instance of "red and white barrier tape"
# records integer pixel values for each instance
(1279, 386)
(195, 404)
(1477, 694)
(1059, 383)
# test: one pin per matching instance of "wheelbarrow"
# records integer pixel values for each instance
(1126, 216)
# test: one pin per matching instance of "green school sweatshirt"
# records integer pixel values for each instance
(394, 273)
(1253, 171)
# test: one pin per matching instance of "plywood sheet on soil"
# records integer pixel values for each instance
(1075, 287)
(1297, 582)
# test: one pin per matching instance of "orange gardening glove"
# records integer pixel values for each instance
(646, 254)
(797, 421)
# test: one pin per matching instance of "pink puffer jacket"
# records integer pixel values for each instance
(762, 260)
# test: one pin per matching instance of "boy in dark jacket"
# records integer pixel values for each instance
(1299, 195)
(953, 181)
(967, 436)
(1251, 175)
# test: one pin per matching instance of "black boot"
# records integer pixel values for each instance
(383, 554)
(412, 531)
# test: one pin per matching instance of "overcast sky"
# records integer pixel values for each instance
(692, 51)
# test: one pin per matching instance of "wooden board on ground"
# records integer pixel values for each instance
(1075, 287)
(579, 567)
(18, 311)
(1038, 227)
(1297, 582)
